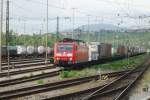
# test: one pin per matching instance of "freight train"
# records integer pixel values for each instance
(71, 51)
(26, 51)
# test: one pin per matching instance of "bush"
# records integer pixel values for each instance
(68, 74)
(40, 82)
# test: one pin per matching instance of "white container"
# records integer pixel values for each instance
(93, 52)
(148, 51)
(21, 50)
(113, 50)
(41, 49)
(30, 49)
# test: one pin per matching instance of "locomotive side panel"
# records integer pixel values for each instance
(81, 54)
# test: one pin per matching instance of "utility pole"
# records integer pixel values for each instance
(88, 28)
(46, 34)
(7, 35)
(24, 36)
(73, 22)
(42, 30)
(40, 37)
(24, 27)
(1, 32)
(57, 32)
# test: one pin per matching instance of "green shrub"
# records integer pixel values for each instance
(68, 74)
(40, 82)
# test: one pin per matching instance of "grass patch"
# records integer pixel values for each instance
(40, 82)
(77, 73)
(68, 74)
(116, 65)
(122, 64)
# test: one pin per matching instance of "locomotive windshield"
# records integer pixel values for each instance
(65, 48)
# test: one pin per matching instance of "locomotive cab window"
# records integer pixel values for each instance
(65, 47)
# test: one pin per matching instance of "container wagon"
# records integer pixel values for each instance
(93, 51)
(104, 50)
(121, 50)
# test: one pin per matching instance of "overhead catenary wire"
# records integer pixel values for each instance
(43, 3)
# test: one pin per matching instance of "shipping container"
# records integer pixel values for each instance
(104, 50)
(114, 49)
(121, 50)
(93, 52)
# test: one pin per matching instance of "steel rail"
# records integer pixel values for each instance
(28, 79)
(46, 87)
(93, 95)
(23, 65)
(3, 74)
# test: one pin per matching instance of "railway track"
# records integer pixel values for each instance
(23, 62)
(49, 74)
(52, 86)
(3, 74)
(28, 79)
(24, 65)
(45, 87)
(117, 89)
(22, 59)
(112, 91)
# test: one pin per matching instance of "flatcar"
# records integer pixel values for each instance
(70, 51)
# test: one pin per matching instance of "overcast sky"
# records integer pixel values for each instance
(29, 15)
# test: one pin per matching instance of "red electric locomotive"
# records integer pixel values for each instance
(70, 51)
